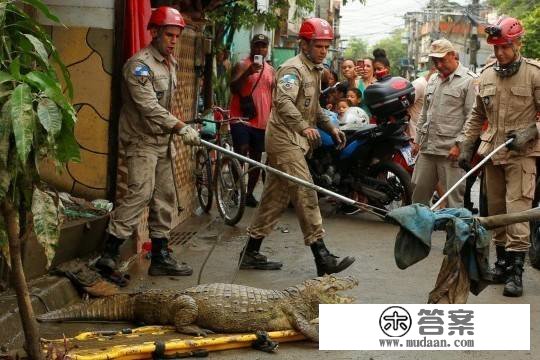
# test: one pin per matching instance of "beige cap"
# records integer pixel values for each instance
(440, 48)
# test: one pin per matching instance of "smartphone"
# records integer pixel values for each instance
(258, 59)
(360, 63)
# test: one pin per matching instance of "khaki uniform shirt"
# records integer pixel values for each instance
(447, 105)
(508, 103)
(295, 106)
(146, 122)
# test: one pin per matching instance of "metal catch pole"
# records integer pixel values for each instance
(478, 166)
(302, 182)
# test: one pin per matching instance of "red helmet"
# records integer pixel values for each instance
(166, 16)
(505, 31)
(316, 29)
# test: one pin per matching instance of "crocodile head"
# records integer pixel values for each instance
(324, 289)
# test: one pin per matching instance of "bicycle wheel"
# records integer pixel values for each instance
(230, 190)
(203, 179)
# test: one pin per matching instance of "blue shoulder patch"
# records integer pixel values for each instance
(141, 70)
(288, 80)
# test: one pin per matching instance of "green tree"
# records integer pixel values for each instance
(36, 121)
(356, 49)
(395, 49)
(529, 13)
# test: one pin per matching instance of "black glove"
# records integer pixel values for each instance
(522, 137)
(466, 149)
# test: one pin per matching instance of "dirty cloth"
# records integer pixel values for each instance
(466, 249)
(85, 278)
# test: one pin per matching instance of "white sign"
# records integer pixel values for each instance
(424, 327)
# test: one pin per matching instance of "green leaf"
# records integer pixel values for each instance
(22, 117)
(47, 84)
(67, 148)
(49, 116)
(65, 73)
(5, 132)
(5, 77)
(38, 4)
(15, 68)
(38, 45)
(46, 223)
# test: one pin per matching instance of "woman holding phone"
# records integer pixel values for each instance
(364, 69)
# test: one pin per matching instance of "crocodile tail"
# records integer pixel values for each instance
(112, 308)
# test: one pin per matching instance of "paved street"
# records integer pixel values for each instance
(369, 239)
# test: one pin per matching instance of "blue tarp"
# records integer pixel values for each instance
(465, 238)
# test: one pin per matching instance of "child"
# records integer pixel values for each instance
(341, 107)
(354, 97)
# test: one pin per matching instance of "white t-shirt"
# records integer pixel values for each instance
(415, 110)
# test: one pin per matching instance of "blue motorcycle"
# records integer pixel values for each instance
(364, 169)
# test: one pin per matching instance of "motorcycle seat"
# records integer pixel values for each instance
(360, 130)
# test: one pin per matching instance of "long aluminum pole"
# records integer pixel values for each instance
(287, 176)
(478, 166)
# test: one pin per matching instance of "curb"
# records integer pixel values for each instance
(46, 293)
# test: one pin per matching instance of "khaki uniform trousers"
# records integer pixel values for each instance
(509, 189)
(150, 183)
(431, 169)
(278, 192)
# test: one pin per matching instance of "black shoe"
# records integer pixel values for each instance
(163, 263)
(256, 260)
(251, 201)
(107, 263)
(514, 284)
(326, 262)
(499, 272)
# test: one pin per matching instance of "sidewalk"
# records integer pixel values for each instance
(190, 242)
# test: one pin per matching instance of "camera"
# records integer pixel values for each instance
(258, 59)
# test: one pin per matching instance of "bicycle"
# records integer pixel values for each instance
(218, 173)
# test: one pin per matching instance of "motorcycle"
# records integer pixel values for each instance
(365, 169)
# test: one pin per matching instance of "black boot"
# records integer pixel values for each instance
(514, 285)
(254, 260)
(499, 271)
(108, 260)
(326, 262)
(163, 263)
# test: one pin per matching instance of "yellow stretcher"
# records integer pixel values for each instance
(142, 343)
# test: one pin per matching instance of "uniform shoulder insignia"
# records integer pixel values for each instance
(533, 62)
(288, 80)
(141, 70)
(487, 66)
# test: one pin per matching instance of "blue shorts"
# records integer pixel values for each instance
(243, 134)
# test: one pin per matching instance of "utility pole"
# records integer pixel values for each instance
(474, 44)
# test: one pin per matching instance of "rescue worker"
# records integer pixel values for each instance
(509, 97)
(145, 128)
(449, 99)
(290, 136)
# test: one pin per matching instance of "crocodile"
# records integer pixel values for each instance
(217, 307)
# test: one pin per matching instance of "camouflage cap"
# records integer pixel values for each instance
(440, 48)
